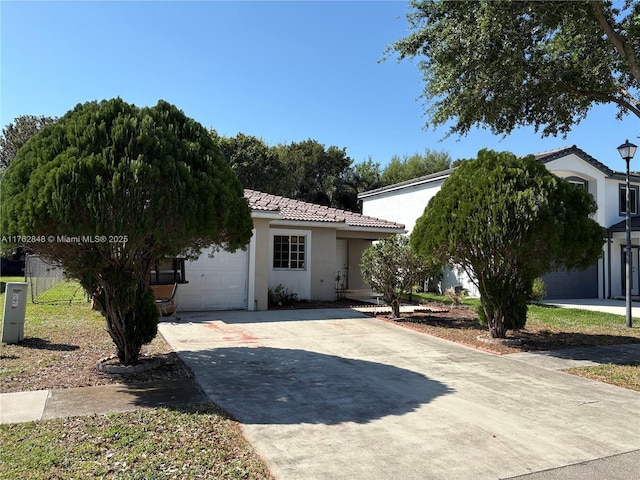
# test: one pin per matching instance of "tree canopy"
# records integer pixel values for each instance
(257, 165)
(15, 135)
(506, 221)
(109, 189)
(414, 166)
(315, 171)
(311, 172)
(505, 64)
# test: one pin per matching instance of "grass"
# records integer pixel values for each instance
(11, 279)
(61, 346)
(186, 443)
(62, 343)
(627, 376)
(554, 319)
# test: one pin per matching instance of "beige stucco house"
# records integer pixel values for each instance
(308, 249)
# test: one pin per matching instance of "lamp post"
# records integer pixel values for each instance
(627, 151)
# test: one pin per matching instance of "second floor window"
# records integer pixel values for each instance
(633, 200)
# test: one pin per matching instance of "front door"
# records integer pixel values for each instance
(635, 270)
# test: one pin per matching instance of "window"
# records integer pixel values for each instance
(633, 200)
(580, 182)
(167, 271)
(289, 252)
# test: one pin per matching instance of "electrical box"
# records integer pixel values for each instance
(15, 308)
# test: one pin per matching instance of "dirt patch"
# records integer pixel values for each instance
(41, 364)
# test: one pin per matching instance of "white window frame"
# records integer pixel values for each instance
(622, 199)
(296, 252)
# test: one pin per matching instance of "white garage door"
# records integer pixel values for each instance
(218, 283)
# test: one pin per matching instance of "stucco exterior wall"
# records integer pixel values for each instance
(260, 265)
(403, 206)
(406, 203)
(574, 166)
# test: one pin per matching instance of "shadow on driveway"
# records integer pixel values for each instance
(267, 385)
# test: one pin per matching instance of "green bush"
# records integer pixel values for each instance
(281, 296)
(455, 295)
(539, 291)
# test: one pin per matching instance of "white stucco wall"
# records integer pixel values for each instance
(403, 205)
(574, 166)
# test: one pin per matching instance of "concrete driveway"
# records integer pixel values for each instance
(335, 394)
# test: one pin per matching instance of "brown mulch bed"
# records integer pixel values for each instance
(46, 363)
(461, 325)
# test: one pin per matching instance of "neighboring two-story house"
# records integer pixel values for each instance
(404, 203)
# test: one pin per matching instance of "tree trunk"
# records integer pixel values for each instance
(132, 319)
(395, 307)
(496, 325)
(497, 328)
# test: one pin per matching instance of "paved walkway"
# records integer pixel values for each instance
(618, 307)
(335, 394)
(59, 403)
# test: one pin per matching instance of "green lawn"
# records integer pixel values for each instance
(554, 318)
(186, 443)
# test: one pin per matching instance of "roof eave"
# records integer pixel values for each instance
(269, 215)
(434, 177)
(392, 230)
(282, 222)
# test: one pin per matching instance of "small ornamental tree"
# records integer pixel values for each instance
(392, 268)
(129, 185)
(507, 221)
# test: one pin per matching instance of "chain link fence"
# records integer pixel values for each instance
(48, 283)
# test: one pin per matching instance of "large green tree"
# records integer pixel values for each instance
(414, 166)
(505, 64)
(392, 268)
(110, 188)
(358, 178)
(17, 133)
(257, 165)
(315, 172)
(506, 221)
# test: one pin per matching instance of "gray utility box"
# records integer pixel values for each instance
(15, 308)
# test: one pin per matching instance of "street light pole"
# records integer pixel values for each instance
(627, 151)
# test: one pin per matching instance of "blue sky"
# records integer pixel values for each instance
(282, 71)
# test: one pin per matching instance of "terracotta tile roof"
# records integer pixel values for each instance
(297, 210)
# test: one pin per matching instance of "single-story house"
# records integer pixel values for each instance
(311, 250)
(405, 202)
